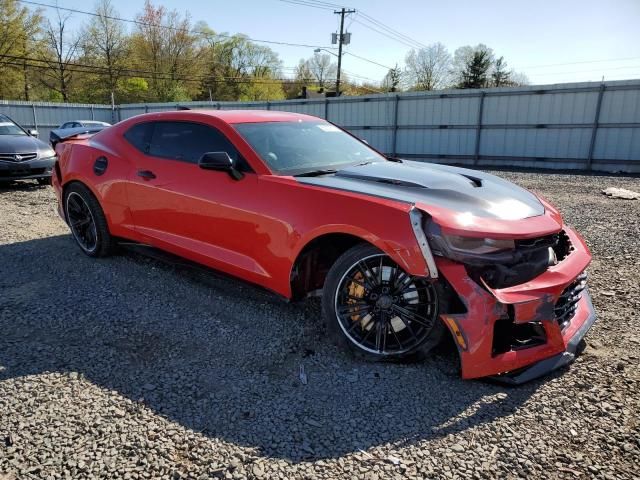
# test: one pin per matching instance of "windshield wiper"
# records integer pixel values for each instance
(315, 173)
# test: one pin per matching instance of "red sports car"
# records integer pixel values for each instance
(400, 251)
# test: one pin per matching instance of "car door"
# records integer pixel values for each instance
(200, 214)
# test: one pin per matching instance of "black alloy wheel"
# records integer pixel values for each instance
(81, 222)
(381, 310)
(87, 221)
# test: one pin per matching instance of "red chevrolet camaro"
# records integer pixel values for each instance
(400, 251)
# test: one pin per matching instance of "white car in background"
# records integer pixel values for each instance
(75, 127)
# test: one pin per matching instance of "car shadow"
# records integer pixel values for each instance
(221, 357)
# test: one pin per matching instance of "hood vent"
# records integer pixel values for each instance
(475, 181)
(371, 178)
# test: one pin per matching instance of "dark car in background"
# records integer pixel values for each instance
(22, 155)
(75, 127)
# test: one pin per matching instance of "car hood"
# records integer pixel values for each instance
(21, 144)
(460, 190)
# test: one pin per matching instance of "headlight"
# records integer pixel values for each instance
(478, 246)
(467, 249)
(48, 153)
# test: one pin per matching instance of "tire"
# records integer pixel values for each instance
(366, 292)
(44, 181)
(92, 237)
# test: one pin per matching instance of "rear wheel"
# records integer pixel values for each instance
(87, 221)
(376, 309)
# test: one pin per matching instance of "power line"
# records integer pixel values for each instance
(393, 32)
(138, 22)
(305, 4)
(371, 23)
(76, 67)
(20, 61)
(384, 34)
(367, 60)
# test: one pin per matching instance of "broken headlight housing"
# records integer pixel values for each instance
(498, 263)
(475, 245)
(467, 249)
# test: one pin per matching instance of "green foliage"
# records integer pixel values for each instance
(476, 72)
(18, 28)
(164, 57)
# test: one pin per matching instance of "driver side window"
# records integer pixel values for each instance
(188, 141)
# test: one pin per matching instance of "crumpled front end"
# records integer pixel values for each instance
(518, 332)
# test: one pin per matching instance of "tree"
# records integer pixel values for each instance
(60, 52)
(500, 76)
(476, 73)
(519, 79)
(323, 69)
(19, 29)
(302, 77)
(428, 68)
(463, 57)
(106, 45)
(164, 45)
(392, 79)
(235, 64)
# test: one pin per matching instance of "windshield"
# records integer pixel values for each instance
(299, 147)
(7, 127)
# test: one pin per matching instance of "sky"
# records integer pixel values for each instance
(551, 41)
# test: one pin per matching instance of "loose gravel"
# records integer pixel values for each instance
(132, 368)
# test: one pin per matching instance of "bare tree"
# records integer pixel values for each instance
(519, 79)
(60, 52)
(303, 73)
(428, 68)
(323, 69)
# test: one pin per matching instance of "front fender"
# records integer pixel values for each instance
(403, 249)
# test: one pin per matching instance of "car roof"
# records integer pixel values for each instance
(233, 116)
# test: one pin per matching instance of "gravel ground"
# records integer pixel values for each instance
(129, 367)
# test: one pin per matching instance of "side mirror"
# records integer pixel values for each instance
(33, 132)
(220, 161)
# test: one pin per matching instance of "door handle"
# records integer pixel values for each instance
(146, 174)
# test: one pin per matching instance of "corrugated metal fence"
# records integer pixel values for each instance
(45, 116)
(565, 126)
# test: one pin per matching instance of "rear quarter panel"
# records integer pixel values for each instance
(76, 160)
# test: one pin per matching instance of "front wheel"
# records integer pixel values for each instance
(376, 309)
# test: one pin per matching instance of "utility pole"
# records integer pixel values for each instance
(342, 13)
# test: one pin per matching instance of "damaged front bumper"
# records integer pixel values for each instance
(519, 333)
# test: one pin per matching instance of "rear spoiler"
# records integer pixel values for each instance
(58, 136)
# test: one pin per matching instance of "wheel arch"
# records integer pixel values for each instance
(320, 251)
(74, 180)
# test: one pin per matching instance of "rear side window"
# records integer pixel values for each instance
(139, 136)
(187, 142)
